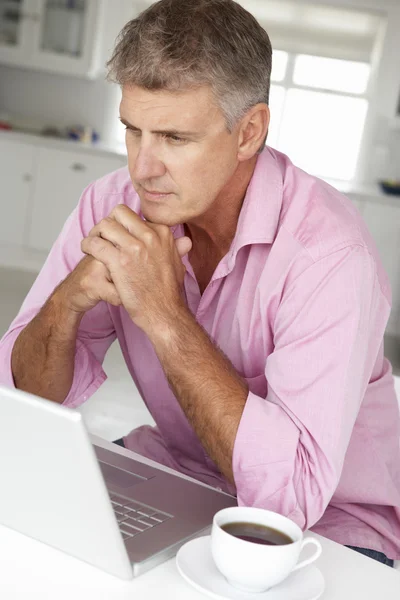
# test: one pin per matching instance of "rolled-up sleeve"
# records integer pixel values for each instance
(96, 331)
(290, 446)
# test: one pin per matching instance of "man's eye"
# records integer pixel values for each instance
(175, 139)
(135, 131)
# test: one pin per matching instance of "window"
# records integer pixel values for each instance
(321, 81)
(318, 112)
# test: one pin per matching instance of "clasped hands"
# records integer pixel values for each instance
(144, 263)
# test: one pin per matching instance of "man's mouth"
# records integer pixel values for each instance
(155, 195)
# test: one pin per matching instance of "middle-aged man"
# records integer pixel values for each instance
(247, 296)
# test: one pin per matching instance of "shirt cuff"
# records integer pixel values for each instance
(88, 377)
(264, 458)
(6, 348)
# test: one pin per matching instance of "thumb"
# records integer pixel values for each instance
(183, 245)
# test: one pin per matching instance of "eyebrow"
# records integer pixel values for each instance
(177, 132)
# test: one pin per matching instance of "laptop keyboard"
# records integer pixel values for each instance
(135, 518)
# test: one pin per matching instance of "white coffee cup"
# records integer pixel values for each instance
(254, 567)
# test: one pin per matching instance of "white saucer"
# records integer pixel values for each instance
(196, 565)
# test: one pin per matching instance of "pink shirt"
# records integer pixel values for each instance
(299, 305)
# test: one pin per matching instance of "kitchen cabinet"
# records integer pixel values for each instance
(61, 177)
(16, 176)
(60, 36)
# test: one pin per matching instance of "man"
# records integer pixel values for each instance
(247, 296)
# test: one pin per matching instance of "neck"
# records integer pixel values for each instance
(216, 228)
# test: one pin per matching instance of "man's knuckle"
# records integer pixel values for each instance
(97, 268)
(164, 230)
(149, 238)
(128, 255)
(117, 211)
(85, 281)
(97, 244)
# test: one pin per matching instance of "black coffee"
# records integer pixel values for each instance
(258, 534)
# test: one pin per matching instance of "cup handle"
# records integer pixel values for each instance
(317, 553)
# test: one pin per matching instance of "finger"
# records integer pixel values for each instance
(111, 230)
(145, 231)
(102, 250)
(131, 221)
(109, 294)
(183, 245)
(100, 268)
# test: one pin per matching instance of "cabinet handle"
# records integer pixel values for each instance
(27, 177)
(78, 167)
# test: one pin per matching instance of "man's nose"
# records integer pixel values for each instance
(147, 165)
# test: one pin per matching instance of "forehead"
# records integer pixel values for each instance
(196, 108)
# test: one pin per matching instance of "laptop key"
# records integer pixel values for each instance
(131, 511)
(121, 519)
(146, 512)
(123, 510)
(154, 522)
(116, 502)
(144, 516)
(131, 504)
(134, 528)
(146, 522)
(126, 534)
(160, 517)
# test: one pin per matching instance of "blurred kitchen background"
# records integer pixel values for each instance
(335, 104)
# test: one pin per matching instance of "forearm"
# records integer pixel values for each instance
(205, 383)
(43, 356)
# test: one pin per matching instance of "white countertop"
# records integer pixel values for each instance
(112, 150)
(32, 570)
(29, 569)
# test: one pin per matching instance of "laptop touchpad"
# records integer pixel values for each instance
(118, 477)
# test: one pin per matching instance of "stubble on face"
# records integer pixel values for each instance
(194, 171)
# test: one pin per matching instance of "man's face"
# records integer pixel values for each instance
(180, 154)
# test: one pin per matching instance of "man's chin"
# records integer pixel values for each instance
(159, 216)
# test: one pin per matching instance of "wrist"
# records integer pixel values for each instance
(165, 330)
(61, 311)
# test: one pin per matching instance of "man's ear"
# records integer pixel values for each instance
(253, 131)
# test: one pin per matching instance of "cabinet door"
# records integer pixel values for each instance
(16, 18)
(16, 173)
(65, 36)
(383, 221)
(60, 180)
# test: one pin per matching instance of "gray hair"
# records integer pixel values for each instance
(181, 44)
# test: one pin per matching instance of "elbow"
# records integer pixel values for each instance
(300, 496)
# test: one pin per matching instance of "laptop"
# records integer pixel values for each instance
(103, 507)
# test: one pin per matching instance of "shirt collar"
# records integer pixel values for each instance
(259, 216)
